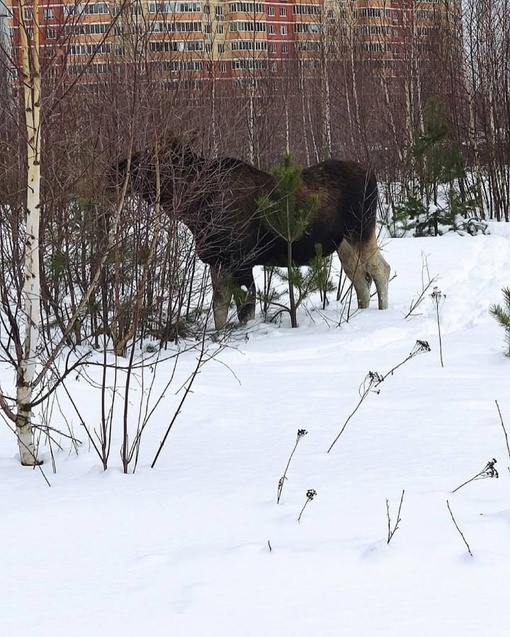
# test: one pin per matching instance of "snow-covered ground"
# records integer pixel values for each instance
(198, 546)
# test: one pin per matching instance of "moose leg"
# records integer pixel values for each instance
(378, 269)
(222, 293)
(245, 300)
(350, 258)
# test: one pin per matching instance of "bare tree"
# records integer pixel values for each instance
(30, 80)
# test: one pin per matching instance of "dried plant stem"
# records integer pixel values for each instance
(425, 286)
(419, 348)
(392, 531)
(281, 482)
(489, 471)
(458, 529)
(415, 304)
(373, 379)
(438, 299)
(310, 495)
(440, 339)
(503, 425)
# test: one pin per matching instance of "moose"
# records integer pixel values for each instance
(218, 200)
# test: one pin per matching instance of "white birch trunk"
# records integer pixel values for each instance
(31, 288)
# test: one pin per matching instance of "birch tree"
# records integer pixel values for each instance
(31, 82)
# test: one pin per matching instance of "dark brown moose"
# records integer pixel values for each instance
(218, 200)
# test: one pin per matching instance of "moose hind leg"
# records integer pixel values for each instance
(245, 299)
(379, 269)
(352, 263)
(222, 293)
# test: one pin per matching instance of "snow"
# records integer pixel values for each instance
(198, 547)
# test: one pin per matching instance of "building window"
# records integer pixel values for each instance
(176, 45)
(307, 9)
(272, 48)
(173, 7)
(245, 7)
(247, 26)
(248, 45)
(283, 11)
(283, 30)
(371, 12)
(285, 48)
(271, 29)
(248, 64)
(49, 14)
(270, 11)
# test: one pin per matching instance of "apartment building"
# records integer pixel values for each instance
(218, 38)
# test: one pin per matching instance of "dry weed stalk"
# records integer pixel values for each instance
(438, 299)
(425, 285)
(458, 529)
(503, 426)
(489, 471)
(373, 379)
(300, 434)
(392, 531)
(310, 495)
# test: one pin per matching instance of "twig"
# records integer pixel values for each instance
(202, 359)
(504, 430)
(489, 471)
(391, 532)
(281, 482)
(310, 495)
(458, 529)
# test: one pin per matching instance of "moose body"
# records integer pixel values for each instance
(218, 200)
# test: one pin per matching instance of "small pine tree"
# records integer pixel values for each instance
(320, 271)
(502, 315)
(438, 165)
(283, 215)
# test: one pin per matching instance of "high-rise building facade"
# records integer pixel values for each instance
(220, 38)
